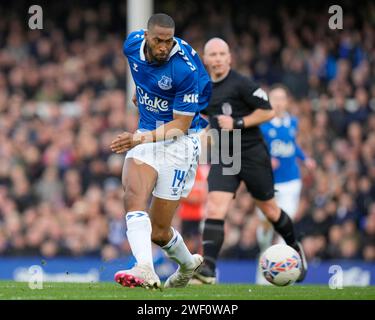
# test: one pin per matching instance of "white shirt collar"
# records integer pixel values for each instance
(286, 120)
(282, 121)
(142, 50)
(276, 122)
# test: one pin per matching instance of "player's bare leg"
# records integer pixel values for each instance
(161, 215)
(284, 226)
(170, 240)
(138, 181)
(213, 234)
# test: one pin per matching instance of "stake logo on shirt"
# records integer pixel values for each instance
(152, 104)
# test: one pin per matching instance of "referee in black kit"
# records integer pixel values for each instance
(238, 103)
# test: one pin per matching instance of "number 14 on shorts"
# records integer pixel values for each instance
(179, 176)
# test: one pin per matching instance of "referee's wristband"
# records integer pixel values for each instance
(238, 123)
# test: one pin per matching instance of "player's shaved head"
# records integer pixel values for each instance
(216, 56)
(215, 43)
(161, 20)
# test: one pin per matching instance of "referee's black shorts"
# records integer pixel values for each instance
(256, 172)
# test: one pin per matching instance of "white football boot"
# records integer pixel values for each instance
(138, 276)
(182, 276)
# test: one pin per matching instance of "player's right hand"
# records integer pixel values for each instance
(124, 142)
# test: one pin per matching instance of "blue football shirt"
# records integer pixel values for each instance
(280, 136)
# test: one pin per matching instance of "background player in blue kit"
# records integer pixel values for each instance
(172, 87)
(280, 135)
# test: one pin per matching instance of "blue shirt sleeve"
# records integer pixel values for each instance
(187, 95)
(130, 40)
(299, 153)
(264, 128)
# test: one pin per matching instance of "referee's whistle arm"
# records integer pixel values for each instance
(259, 116)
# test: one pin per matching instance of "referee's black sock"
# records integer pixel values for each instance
(213, 237)
(284, 226)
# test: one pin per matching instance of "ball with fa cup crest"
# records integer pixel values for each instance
(280, 264)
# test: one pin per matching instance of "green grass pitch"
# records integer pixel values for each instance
(11, 290)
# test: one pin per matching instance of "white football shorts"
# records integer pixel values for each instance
(175, 161)
(287, 197)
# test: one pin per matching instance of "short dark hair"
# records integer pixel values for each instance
(161, 20)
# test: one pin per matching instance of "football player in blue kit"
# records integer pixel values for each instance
(172, 87)
(280, 135)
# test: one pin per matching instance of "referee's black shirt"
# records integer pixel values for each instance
(237, 96)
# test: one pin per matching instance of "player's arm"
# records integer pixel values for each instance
(257, 117)
(300, 154)
(257, 99)
(185, 106)
(175, 128)
(307, 161)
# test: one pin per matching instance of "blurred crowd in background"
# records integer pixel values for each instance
(63, 99)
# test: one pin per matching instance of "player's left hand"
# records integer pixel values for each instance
(225, 122)
(310, 163)
(124, 142)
